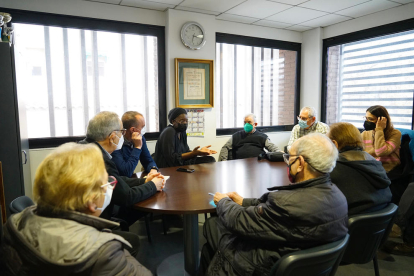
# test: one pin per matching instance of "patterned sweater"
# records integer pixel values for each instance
(385, 150)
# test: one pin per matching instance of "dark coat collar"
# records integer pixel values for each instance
(323, 179)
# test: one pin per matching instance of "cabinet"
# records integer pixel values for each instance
(13, 142)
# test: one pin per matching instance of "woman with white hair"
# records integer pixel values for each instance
(63, 234)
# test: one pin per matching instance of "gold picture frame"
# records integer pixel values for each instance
(194, 83)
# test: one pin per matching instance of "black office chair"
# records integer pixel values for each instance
(19, 204)
(367, 232)
(317, 261)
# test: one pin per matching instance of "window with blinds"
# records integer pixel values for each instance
(252, 79)
(65, 76)
(376, 71)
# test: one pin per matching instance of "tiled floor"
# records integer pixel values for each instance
(163, 246)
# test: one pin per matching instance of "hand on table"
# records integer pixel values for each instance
(204, 151)
(235, 197)
(159, 183)
(381, 123)
(218, 196)
(137, 140)
(152, 175)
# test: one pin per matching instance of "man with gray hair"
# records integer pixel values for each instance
(247, 142)
(305, 213)
(307, 124)
(106, 131)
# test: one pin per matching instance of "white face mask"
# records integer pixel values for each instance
(120, 143)
(108, 196)
(143, 130)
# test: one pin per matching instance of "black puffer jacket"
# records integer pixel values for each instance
(295, 217)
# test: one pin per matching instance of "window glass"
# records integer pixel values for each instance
(255, 80)
(65, 76)
(377, 71)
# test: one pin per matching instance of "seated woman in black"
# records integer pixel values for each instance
(360, 177)
(172, 149)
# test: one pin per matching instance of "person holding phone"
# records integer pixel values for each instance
(172, 149)
(381, 139)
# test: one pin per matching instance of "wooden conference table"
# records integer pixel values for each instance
(187, 194)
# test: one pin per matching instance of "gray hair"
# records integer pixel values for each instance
(251, 115)
(311, 111)
(102, 125)
(319, 152)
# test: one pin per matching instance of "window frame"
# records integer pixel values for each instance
(94, 24)
(267, 43)
(383, 30)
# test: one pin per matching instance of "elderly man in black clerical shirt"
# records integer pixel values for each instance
(246, 143)
(172, 149)
(249, 235)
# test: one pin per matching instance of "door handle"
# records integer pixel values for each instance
(25, 157)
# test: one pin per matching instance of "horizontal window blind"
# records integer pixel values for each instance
(377, 71)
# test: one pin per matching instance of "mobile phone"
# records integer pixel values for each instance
(185, 170)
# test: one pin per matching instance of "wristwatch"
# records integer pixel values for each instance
(154, 168)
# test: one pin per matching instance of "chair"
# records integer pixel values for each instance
(19, 204)
(367, 232)
(317, 261)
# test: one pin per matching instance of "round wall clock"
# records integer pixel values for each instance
(193, 35)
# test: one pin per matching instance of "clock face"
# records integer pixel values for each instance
(192, 35)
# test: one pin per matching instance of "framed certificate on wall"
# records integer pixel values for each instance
(194, 83)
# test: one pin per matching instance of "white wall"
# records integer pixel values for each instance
(372, 20)
(173, 20)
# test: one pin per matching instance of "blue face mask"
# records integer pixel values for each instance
(303, 124)
(248, 127)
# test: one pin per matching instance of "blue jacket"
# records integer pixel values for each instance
(126, 159)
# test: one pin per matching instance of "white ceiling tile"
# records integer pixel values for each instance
(196, 10)
(212, 5)
(272, 24)
(290, 2)
(169, 2)
(146, 5)
(299, 28)
(258, 8)
(368, 8)
(296, 15)
(326, 20)
(403, 1)
(106, 1)
(331, 5)
(236, 18)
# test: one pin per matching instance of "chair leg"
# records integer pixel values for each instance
(164, 224)
(148, 228)
(375, 260)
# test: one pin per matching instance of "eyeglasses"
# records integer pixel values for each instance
(286, 157)
(369, 119)
(123, 131)
(301, 118)
(183, 121)
(111, 183)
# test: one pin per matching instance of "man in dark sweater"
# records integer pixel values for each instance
(105, 130)
(247, 143)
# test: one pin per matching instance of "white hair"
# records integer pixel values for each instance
(319, 152)
(102, 125)
(311, 111)
(251, 115)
